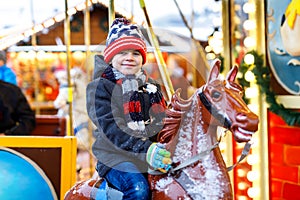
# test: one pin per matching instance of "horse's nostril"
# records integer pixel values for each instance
(241, 117)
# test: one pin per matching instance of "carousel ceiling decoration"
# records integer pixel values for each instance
(28, 17)
(25, 34)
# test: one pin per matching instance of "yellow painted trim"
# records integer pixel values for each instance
(289, 101)
(68, 145)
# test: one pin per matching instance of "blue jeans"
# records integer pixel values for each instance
(132, 183)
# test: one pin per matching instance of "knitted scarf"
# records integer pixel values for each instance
(132, 85)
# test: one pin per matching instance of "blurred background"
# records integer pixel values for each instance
(191, 34)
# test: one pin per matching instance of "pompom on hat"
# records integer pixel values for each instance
(124, 36)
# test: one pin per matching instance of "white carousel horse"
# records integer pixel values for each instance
(80, 116)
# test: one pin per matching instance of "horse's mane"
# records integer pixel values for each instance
(174, 114)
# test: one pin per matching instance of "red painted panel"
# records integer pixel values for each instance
(287, 173)
(284, 145)
(291, 191)
(276, 155)
(292, 155)
(276, 188)
(285, 135)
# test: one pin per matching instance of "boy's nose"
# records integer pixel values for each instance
(129, 55)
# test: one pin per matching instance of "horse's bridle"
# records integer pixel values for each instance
(213, 111)
(202, 154)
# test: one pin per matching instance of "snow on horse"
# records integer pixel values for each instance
(190, 133)
(80, 116)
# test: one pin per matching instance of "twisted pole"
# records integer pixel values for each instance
(158, 55)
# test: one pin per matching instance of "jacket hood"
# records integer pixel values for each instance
(100, 66)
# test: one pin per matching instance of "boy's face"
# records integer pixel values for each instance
(128, 62)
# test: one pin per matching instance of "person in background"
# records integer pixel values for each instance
(128, 109)
(6, 73)
(16, 116)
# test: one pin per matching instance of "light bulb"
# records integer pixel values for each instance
(253, 192)
(249, 42)
(249, 25)
(249, 59)
(251, 92)
(252, 159)
(249, 8)
(252, 176)
(249, 76)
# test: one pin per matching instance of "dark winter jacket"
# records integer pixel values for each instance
(115, 142)
(16, 116)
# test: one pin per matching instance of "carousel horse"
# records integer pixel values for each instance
(190, 133)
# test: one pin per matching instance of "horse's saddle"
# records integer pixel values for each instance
(94, 189)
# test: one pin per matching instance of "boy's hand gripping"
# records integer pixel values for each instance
(158, 157)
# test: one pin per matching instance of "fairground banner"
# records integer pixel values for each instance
(283, 42)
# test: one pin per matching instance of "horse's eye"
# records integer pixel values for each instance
(215, 95)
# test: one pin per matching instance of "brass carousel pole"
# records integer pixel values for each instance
(35, 64)
(111, 13)
(227, 6)
(87, 35)
(87, 42)
(158, 55)
(262, 144)
(67, 35)
(36, 75)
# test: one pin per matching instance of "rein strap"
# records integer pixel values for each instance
(194, 159)
(187, 162)
(245, 152)
(200, 156)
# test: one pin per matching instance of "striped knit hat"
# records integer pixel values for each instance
(124, 36)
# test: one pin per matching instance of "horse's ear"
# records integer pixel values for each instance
(232, 73)
(215, 70)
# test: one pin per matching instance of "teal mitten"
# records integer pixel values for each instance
(158, 157)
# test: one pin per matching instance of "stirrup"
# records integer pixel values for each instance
(101, 191)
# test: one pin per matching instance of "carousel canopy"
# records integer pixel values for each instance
(20, 15)
(169, 41)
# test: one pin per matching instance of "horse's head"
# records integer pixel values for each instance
(223, 99)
